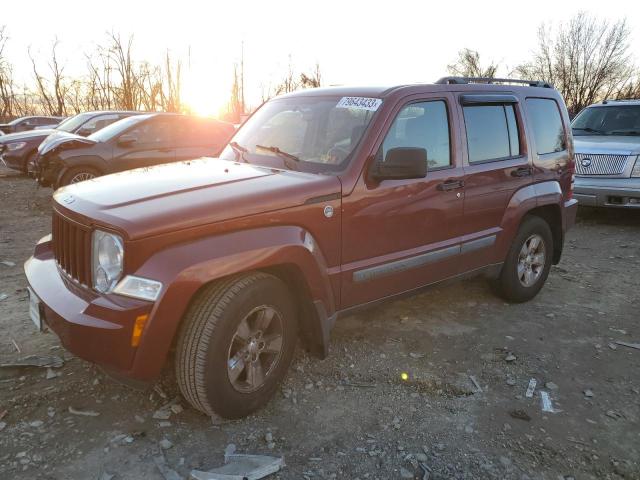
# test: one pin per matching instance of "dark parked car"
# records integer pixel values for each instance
(326, 201)
(19, 150)
(140, 141)
(24, 124)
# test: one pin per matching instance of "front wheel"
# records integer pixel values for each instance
(528, 262)
(236, 344)
(78, 174)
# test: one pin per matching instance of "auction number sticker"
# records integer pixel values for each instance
(360, 103)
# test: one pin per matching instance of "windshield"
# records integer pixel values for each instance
(315, 134)
(613, 120)
(116, 128)
(72, 124)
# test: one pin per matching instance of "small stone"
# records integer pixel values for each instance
(8, 263)
(588, 393)
(550, 315)
(51, 374)
(139, 418)
(3, 425)
(268, 437)
(506, 461)
(271, 445)
(230, 450)
(164, 424)
(416, 355)
(162, 414)
(308, 386)
(36, 424)
(404, 473)
(510, 357)
(128, 439)
(468, 429)
(176, 408)
(511, 381)
(551, 386)
(506, 427)
(421, 457)
(165, 444)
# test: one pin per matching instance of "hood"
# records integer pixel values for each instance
(607, 144)
(29, 135)
(176, 196)
(70, 140)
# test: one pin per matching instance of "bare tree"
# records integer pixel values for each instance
(52, 94)
(468, 65)
(7, 95)
(586, 60)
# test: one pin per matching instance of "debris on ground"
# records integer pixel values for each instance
(475, 383)
(83, 413)
(545, 401)
(8, 263)
(520, 415)
(165, 444)
(3, 296)
(42, 361)
(630, 345)
(510, 357)
(167, 472)
(242, 467)
(531, 388)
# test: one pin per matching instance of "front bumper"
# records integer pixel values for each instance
(94, 327)
(13, 161)
(607, 192)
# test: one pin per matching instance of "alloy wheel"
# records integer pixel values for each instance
(531, 260)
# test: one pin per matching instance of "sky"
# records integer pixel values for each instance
(354, 42)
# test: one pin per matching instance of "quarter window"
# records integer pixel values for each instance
(492, 132)
(422, 125)
(548, 131)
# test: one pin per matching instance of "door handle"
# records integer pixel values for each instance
(450, 184)
(521, 172)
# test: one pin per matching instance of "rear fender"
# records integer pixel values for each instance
(185, 268)
(524, 201)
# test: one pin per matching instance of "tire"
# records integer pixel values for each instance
(210, 340)
(74, 174)
(30, 159)
(516, 284)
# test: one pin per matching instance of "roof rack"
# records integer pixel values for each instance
(489, 80)
(604, 102)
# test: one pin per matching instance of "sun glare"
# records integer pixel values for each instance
(204, 96)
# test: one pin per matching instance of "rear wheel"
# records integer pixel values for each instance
(528, 262)
(236, 344)
(78, 174)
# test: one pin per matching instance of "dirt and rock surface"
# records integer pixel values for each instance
(353, 416)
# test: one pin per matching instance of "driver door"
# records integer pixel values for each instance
(402, 234)
(153, 144)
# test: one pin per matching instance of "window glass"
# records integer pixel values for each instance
(608, 120)
(487, 132)
(152, 132)
(98, 123)
(512, 124)
(547, 125)
(422, 125)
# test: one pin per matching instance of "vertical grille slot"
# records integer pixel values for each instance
(72, 248)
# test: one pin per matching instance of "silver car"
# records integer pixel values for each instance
(607, 149)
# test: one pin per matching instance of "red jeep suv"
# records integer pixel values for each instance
(325, 201)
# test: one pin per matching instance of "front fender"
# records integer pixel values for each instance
(183, 269)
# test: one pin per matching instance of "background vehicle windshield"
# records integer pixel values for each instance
(317, 131)
(72, 124)
(116, 128)
(614, 120)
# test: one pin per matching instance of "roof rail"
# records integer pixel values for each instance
(604, 102)
(489, 80)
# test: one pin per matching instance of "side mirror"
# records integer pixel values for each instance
(126, 139)
(401, 163)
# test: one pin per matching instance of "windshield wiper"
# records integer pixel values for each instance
(282, 154)
(239, 151)
(589, 129)
(624, 132)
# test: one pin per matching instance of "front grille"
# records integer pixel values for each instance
(72, 248)
(599, 164)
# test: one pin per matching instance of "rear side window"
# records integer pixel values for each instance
(422, 125)
(492, 132)
(547, 125)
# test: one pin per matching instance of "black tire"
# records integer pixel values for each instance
(509, 285)
(69, 176)
(30, 159)
(207, 334)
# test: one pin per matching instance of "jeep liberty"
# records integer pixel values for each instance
(325, 201)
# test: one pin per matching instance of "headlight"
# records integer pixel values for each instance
(138, 287)
(15, 146)
(636, 168)
(107, 260)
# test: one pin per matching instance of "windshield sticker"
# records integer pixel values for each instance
(360, 103)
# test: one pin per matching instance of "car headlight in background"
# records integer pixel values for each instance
(107, 256)
(636, 168)
(15, 146)
(138, 287)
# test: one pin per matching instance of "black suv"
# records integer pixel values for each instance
(19, 150)
(140, 141)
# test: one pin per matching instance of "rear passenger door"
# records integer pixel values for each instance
(497, 164)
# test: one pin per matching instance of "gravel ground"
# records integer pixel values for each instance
(462, 411)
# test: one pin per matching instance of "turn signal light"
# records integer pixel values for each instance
(138, 327)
